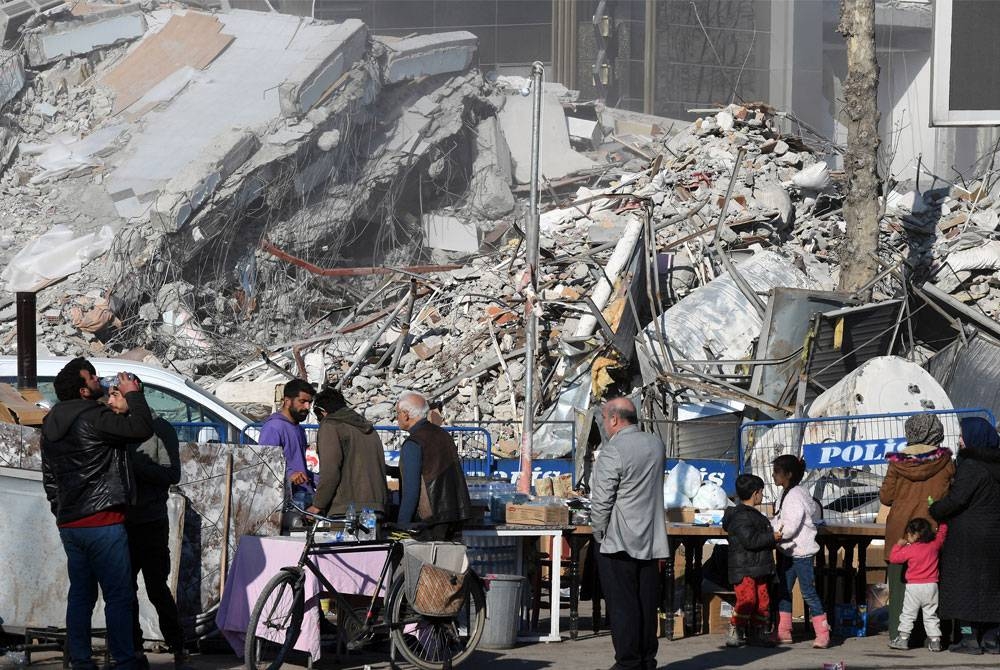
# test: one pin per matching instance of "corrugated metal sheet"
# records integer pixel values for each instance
(867, 333)
(970, 374)
(710, 437)
(786, 324)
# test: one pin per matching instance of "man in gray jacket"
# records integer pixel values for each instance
(627, 517)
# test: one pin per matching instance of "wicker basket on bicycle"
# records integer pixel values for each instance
(435, 575)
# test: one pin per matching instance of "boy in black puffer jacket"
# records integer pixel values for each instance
(751, 564)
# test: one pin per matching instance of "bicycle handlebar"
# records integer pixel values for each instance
(391, 526)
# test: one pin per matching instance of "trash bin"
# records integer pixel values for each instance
(503, 611)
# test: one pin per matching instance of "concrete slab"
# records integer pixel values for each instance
(585, 131)
(556, 158)
(428, 55)
(449, 233)
(185, 193)
(239, 91)
(84, 34)
(491, 172)
(11, 75)
(322, 67)
(15, 13)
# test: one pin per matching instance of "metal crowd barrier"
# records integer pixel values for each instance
(201, 431)
(845, 456)
(475, 445)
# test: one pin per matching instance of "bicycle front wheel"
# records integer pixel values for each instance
(432, 643)
(275, 622)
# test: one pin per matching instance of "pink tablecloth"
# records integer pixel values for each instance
(260, 558)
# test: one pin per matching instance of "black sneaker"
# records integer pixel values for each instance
(966, 646)
(735, 636)
(933, 644)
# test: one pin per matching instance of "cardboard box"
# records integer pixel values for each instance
(681, 514)
(537, 515)
(717, 611)
(709, 517)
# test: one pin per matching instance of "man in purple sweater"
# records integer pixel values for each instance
(282, 429)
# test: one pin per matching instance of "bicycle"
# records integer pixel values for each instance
(429, 643)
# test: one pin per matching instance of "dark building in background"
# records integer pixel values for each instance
(658, 56)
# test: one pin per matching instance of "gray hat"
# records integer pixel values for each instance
(924, 429)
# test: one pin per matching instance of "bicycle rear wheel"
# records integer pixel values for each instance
(275, 622)
(432, 643)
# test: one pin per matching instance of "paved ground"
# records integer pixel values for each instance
(593, 652)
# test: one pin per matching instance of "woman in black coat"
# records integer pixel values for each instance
(970, 562)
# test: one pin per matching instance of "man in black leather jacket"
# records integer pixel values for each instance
(88, 483)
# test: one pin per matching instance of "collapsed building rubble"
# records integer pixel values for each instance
(249, 196)
(355, 211)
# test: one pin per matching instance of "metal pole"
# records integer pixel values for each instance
(27, 347)
(531, 258)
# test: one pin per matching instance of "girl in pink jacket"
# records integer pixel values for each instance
(795, 518)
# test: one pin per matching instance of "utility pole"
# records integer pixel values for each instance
(531, 290)
(861, 207)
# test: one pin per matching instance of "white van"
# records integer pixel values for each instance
(195, 413)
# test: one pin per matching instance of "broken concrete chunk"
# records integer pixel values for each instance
(448, 232)
(322, 68)
(557, 158)
(776, 198)
(185, 193)
(586, 132)
(84, 34)
(429, 55)
(328, 140)
(427, 347)
(12, 76)
(606, 227)
(491, 171)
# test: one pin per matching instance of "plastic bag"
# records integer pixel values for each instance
(687, 478)
(710, 496)
(673, 498)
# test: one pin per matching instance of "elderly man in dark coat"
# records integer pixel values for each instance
(970, 563)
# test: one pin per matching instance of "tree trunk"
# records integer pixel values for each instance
(861, 208)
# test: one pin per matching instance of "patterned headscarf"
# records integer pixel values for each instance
(924, 429)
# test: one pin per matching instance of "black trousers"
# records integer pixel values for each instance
(630, 588)
(150, 555)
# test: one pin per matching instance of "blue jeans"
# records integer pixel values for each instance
(801, 569)
(98, 556)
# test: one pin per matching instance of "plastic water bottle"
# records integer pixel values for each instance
(367, 523)
(350, 519)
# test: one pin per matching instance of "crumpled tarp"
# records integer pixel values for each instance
(53, 255)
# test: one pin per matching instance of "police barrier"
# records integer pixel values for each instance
(475, 446)
(845, 456)
(200, 431)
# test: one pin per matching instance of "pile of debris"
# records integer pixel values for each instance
(353, 207)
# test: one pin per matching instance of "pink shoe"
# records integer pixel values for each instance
(822, 629)
(784, 632)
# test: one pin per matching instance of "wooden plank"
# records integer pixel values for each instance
(23, 411)
(191, 40)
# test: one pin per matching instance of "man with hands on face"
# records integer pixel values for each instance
(88, 482)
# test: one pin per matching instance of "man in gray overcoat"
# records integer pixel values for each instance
(628, 521)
